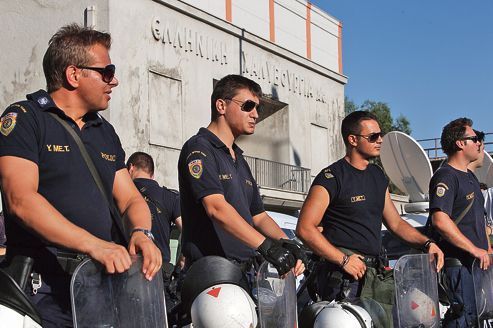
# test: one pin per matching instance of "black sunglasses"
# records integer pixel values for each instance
(372, 137)
(247, 106)
(108, 72)
(474, 139)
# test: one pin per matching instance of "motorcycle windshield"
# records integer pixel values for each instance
(483, 288)
(276, 298)
(416, 291)
(101, 300)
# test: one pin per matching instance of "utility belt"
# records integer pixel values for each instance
(26, 265)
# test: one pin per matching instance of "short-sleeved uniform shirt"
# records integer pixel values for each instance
(164, 205)
(206, 167)
(353, 218)
(28, 131)
(451, 190)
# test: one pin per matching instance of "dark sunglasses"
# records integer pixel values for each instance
(372, 137)
(247, 106)
(108, 72)
(474, 139)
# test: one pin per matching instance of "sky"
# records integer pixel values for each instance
(429, 60)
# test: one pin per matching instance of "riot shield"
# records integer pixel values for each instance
(483, 289)
(416, 291)
(116, 300)
(276, 298)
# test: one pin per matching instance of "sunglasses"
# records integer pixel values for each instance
(108, 72)
(372, 137)
(247, 106)
(474, 139)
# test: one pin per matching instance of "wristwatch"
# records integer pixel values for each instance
(146, 232)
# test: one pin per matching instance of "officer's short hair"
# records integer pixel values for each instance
(69, 46)
(351, 123)
(227, 88)
(452, 132)
(141, 161)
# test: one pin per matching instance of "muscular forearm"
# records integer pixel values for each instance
(137, 212)
(449, 230)
(229, 219)
(268, 227)
(409, 234)
(312, 237)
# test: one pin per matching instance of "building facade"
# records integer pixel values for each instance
(168, 55)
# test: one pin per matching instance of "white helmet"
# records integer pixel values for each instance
(418, 308)
(342, 315)
(224, 306)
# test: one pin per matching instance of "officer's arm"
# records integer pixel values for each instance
(399, 227)
(449, 230)
(129, 201)
(19, 180)
(219, 210)
(408, 233)
(267, 226)
(311, 214)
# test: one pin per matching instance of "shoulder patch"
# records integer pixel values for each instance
(441, 191)
(328, 173)
(7, 123)
(195, 168)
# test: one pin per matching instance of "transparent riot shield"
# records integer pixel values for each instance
(276, 298)
(483, 288)
(101, 300)
(417, 291)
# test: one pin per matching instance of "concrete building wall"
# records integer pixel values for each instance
(295, 25)
(168, 55)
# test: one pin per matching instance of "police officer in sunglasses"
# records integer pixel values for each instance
(55, 213)
(349, 198)
(457, 213)
(222, 211)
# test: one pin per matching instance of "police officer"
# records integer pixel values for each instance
(222, 210)
(457, 213)
(53, 208)
(164, 205)
(349, 198)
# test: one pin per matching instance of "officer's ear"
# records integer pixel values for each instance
(352, 140)
(72, 75)
(221, 106)
(460, 144)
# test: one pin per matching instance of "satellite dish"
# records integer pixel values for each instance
(407, 165)
(485, 172)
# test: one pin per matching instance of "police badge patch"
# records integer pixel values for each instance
(195, 168)
(328, 174)
(7, 123)
(440, 191)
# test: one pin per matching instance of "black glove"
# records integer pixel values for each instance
(278, 256)
(295, 248)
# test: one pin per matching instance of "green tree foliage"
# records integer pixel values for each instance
(383, 113)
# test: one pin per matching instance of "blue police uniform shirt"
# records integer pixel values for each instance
(29, 132)
(164, 205)
(451, 190)
(353, 218)
(206, 167)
